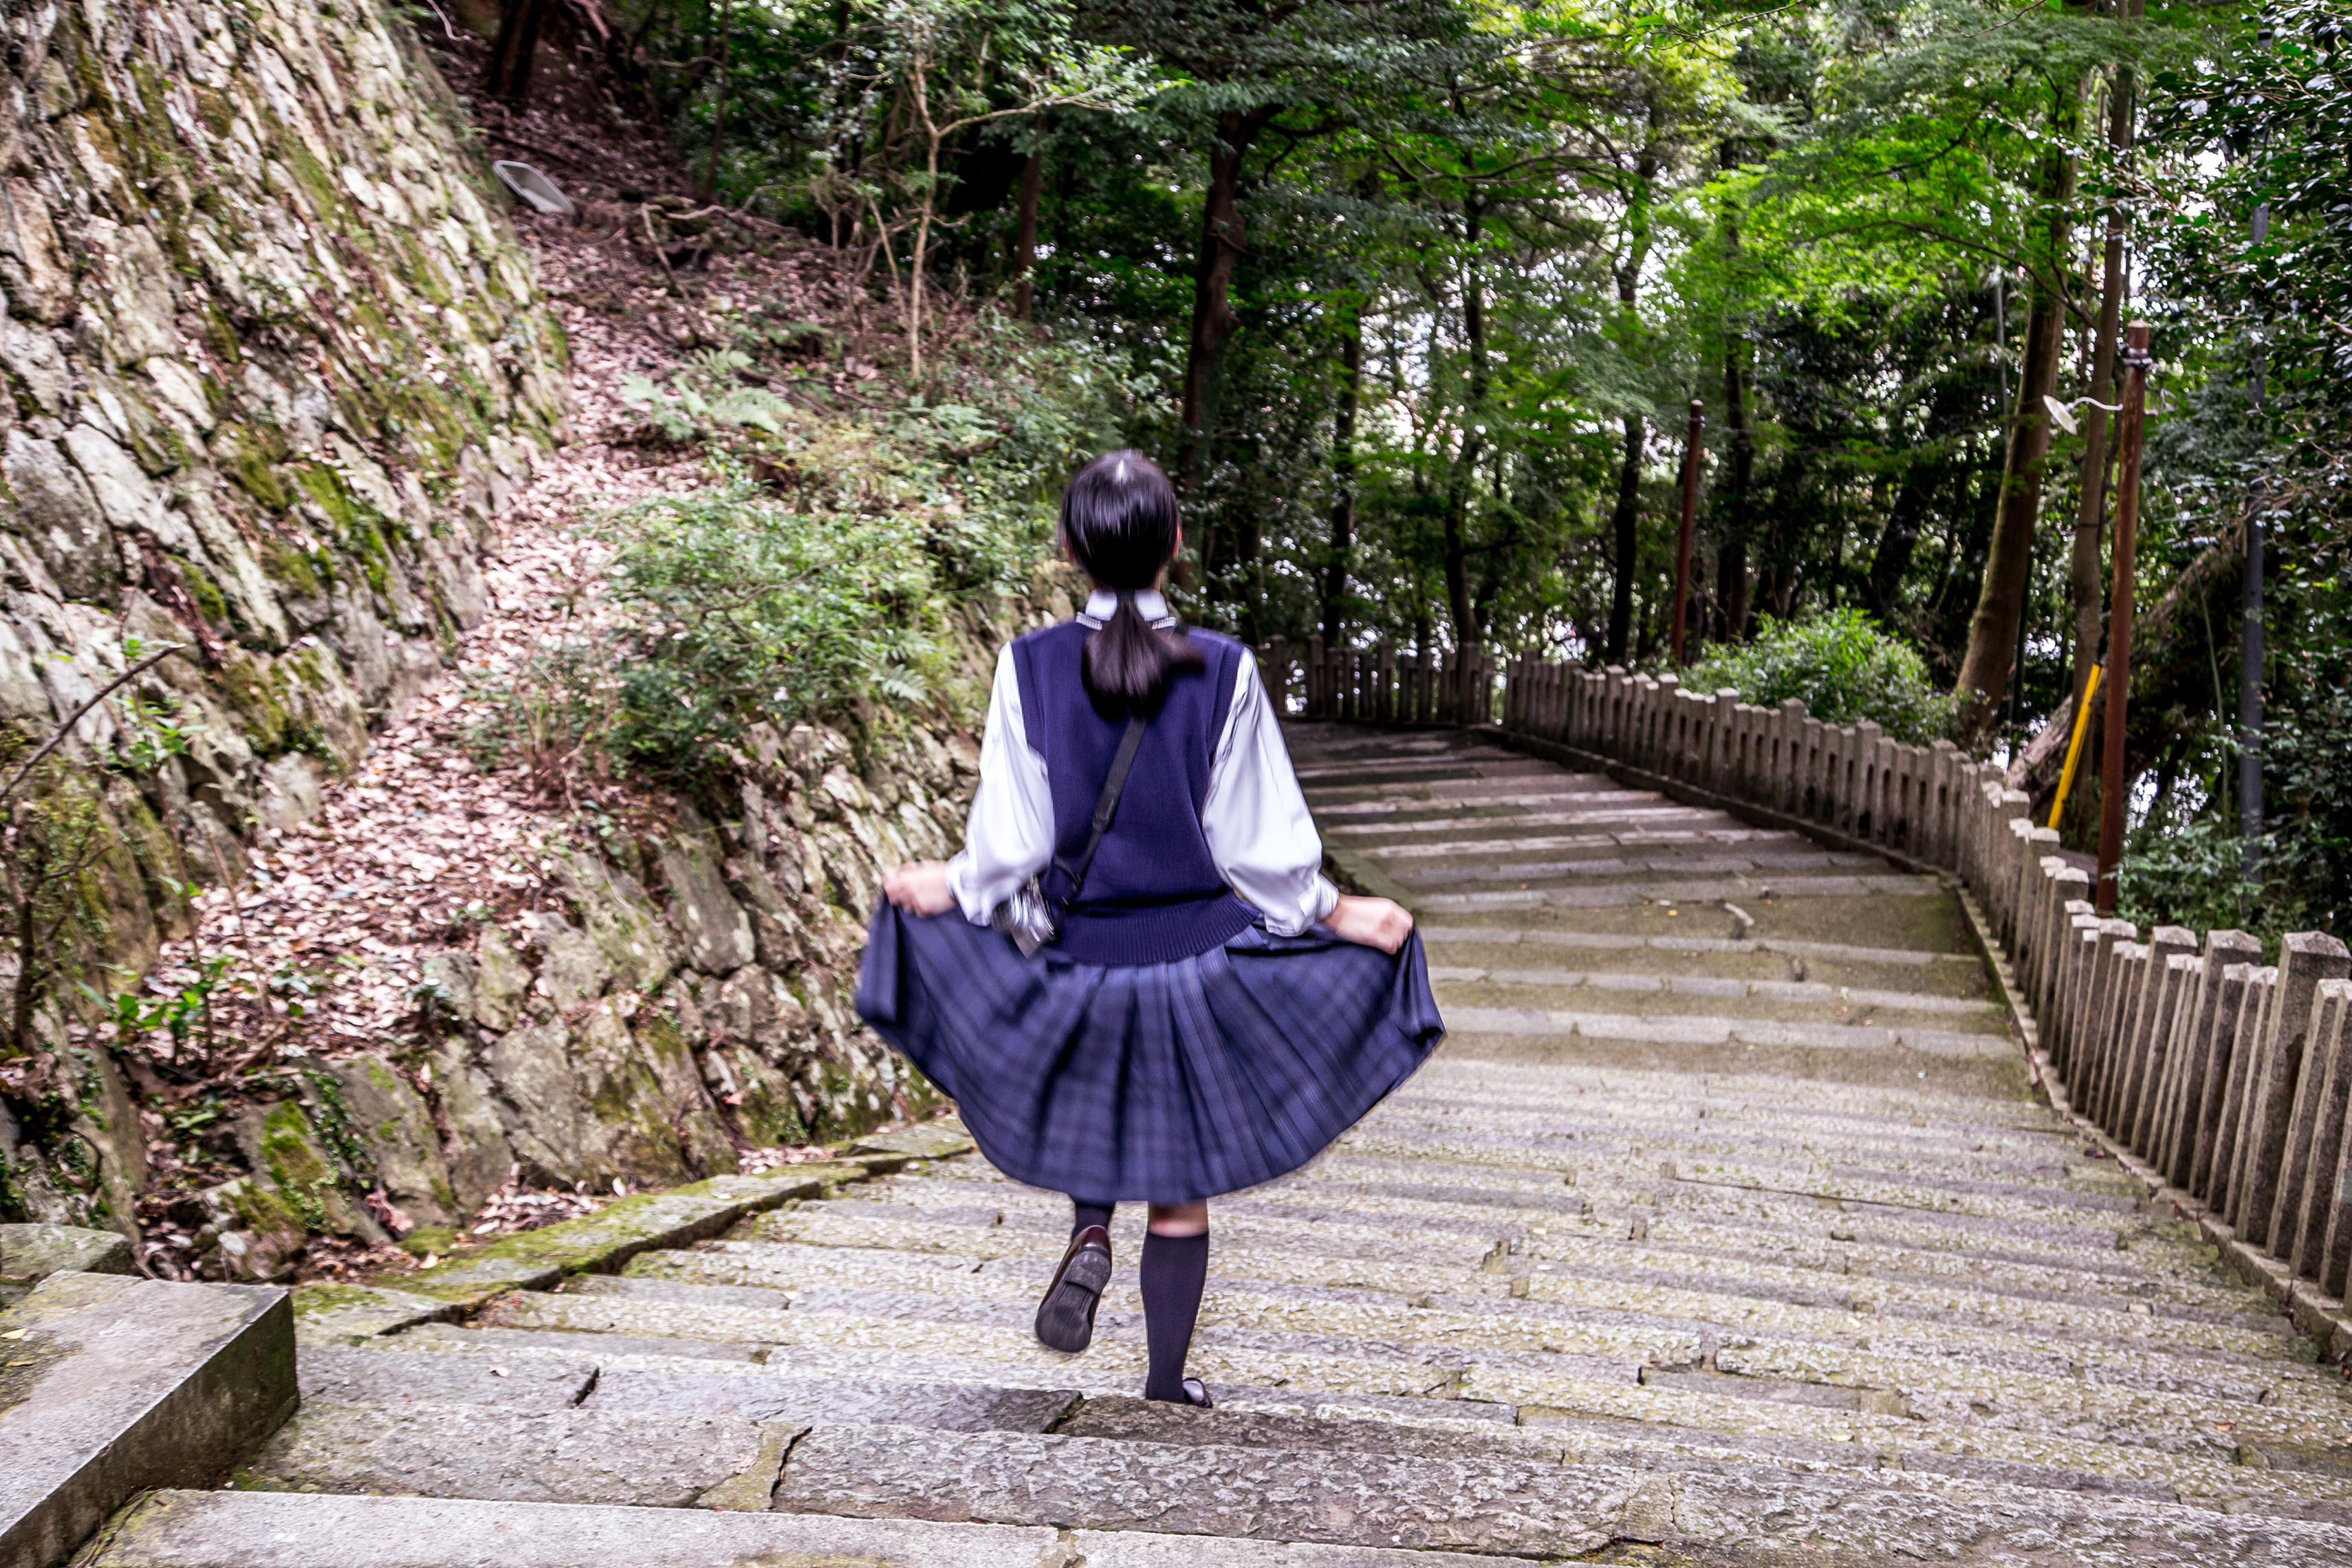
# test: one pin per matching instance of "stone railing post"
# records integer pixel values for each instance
(2153, 1094)
(2226, 1184)
(2240, 1004)
(2305, 958)
(2195, 1054)
(2314, 1149)
(2142, 1033)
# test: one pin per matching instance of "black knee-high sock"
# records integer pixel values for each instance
(1175, 1269)
(1084, 1213)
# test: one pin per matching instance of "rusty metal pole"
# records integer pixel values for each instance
(2128, 434)
(1691, 450)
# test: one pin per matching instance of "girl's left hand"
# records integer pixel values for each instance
(919, 887)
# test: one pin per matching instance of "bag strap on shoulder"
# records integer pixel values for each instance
(1106, 805)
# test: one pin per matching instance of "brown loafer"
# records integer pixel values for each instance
(1065, 1318)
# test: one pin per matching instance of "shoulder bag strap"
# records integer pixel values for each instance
(1106, 804)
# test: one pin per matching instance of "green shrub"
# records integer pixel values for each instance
(1841, 667)
(2194, 876)
(737, 610)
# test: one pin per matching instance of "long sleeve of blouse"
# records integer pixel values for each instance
(1254, 818)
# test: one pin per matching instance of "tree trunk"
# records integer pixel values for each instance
(1024, 222)
(1467, 629)
(1731, 566)
(513, 51)
(1213, 319)
(1343, 481)
(2001, 600)
(718, 115)
(2084, 577)
(1624, 537)
(1624, 522)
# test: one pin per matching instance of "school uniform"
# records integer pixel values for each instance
(1195, 1030)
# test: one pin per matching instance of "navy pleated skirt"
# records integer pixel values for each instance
(1161, 1083)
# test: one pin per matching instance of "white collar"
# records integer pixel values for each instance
(1149, 603)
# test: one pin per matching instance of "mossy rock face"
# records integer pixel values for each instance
(283, 1147)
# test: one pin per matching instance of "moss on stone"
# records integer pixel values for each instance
(206, 594)
(292, 569)
(325, 486)
(294, 1163)
(223, 340)
(311, 175)
(256, 468)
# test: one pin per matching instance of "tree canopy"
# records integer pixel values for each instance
(1412, 297)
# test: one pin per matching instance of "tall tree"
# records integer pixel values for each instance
(2084, 578)
(1986, 667)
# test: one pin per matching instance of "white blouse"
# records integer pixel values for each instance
(1254, 818)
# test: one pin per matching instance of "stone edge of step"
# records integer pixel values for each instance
(605, 1241)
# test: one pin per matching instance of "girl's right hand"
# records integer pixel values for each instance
(1373, 923)
(919, 887)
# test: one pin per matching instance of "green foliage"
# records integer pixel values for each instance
(2193, 875)
(1841, 667)
(740, 610)
(705, 398)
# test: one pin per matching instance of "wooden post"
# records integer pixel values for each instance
(1691, 450)
(2120, 612)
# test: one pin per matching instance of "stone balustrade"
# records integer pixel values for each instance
(2221, 1081)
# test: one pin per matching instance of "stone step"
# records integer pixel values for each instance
(291, 1529)
(1572, 1026)
(335, 1374)
(641, 1459)
(1642, 811)
(861, 1366)
(1352, 1345)
(1810, 993)
(1313, 1253)
(1507, 835)
(1337, 1363)
(1504, 864)
(1711, 891)
(1508, 1507)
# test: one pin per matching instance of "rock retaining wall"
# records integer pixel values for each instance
(273, 363)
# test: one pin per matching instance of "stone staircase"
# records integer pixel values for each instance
(1724, 1229)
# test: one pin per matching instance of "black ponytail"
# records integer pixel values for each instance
(1119, 521)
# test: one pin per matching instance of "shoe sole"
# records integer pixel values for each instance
(1065, 1318)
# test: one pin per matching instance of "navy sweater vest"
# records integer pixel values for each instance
(1153, 894)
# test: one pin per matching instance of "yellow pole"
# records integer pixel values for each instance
(2074, 746)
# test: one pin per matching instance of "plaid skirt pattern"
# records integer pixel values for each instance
(1161, 1083)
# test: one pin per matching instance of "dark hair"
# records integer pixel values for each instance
(1119, 521)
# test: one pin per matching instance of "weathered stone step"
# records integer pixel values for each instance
(332, 1375)
(1811, 993)
(1057, 1377)
(1644, 812)
(286, 1529)
(778, 1394)
(1042, 1249)
(1600, 1279)
(1510, 1507)
(1623, 1146)
(1315, 1251)
(1574, 1026)
(1679, 891)
(1342, 1205)
(1535, 805)
(640, 1458)
(1502, 864)
(999, 1331)
(1502, 836)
